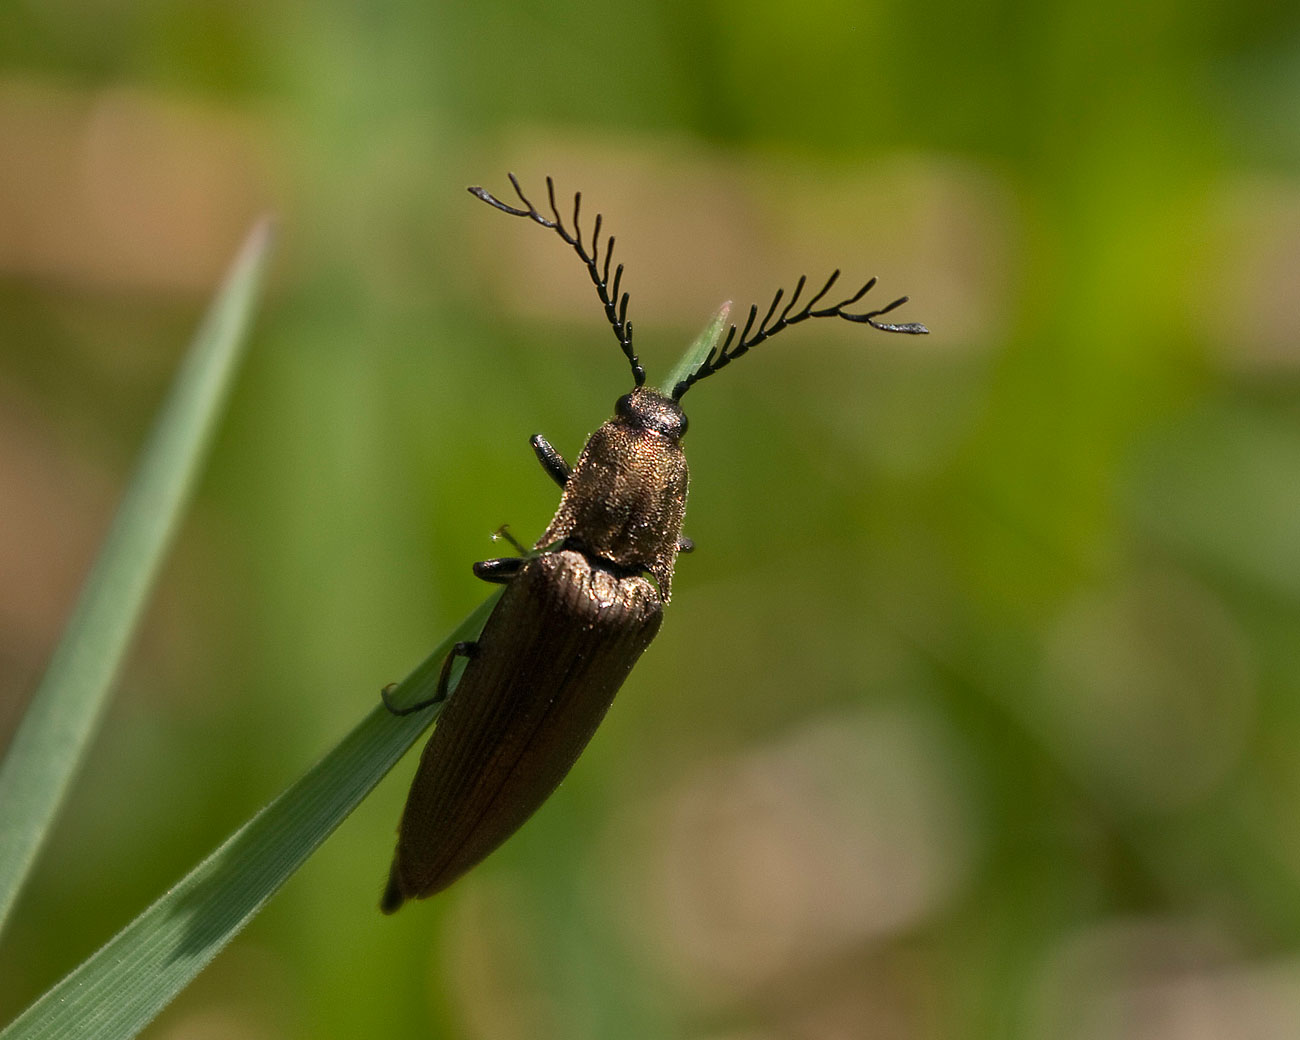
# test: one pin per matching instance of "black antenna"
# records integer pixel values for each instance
(720, 357)
(600, 278)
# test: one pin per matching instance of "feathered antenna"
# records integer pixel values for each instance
(722, 356)
(608, 294)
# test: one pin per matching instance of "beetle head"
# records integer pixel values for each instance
(649, 410)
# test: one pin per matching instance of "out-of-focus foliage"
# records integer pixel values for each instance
(975, 712)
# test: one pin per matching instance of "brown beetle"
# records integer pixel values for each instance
(577, 611)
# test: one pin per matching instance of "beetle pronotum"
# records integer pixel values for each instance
(577, 611)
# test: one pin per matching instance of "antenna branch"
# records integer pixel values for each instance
(615, 307)
(750, 336)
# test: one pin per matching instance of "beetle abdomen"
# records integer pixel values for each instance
(555, 650)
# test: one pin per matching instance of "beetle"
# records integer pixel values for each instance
(578, 609)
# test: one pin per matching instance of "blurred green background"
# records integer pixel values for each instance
(975, 713)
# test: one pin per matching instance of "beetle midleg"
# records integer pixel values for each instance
(552, 461)
(440, 692)
(504, 532)
(499, 571)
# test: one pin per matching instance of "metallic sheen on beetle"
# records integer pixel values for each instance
(578, 610)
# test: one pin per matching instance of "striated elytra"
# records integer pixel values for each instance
(578, 611)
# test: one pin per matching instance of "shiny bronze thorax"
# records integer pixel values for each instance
(626, 497)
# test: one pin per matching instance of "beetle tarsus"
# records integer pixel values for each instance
(383, 696)
(393, 709)
(685, 545)
(440, 694)
(499, 571)
(552, 461)
(410, 709)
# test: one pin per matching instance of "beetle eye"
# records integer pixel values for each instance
(623, 406)
(681, 429)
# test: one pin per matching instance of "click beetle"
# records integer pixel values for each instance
(578, 610)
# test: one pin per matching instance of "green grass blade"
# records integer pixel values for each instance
(118, 990)
(56, 730)
(699, 350)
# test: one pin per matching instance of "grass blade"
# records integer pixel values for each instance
(698, 351)
(56, 730)
(118, 990)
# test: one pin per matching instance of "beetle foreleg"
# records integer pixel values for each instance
(440, 692)
(552, 461)
(499, 571)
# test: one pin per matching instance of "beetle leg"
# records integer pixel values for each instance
(465, 650)
(504, 532)
(393, 709)
(499, 571)
(440, 692)
(685, 545)
(552, 461)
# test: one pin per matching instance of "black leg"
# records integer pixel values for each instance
(444, 677)
(499, 571)
(465, 650)
(552, 461)
(504, 532)
(685, 545)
